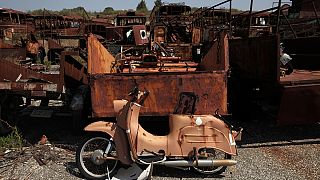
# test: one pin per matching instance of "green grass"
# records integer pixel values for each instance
(48, 65)
(11, 141)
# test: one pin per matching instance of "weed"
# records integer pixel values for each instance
(12, 140)
(48, 65)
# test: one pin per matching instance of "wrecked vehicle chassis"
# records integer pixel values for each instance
(208, 81)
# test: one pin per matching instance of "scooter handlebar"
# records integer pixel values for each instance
(138, 96)
(144, 96)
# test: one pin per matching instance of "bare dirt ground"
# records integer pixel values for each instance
(266, 152)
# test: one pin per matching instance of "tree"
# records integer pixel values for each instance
(157, 3)
(142, 7)
(108, 10)
(73, 11)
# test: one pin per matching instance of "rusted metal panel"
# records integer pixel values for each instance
(255, 59)
(159, 34)
(21, 86)
(38, 93)
(12, 30)
(69, 31)
(164, 90)
(196, 35)
(299, 77)
(140, 34)
(11, 71)
(217, 58)
(184, 51)
(12, 54)
(52, 44)
(4, 45)
(99, 59)
(299, 104)
(73, 68)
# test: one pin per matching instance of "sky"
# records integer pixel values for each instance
(99, 5)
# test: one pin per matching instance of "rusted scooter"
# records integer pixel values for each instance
(203, 142)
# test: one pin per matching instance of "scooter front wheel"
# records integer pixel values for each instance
(94, 162)
(213, 154)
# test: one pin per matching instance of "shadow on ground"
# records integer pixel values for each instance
(265, 131)
(71, 167)
(162, 171)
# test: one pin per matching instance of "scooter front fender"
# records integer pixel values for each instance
(102, 126)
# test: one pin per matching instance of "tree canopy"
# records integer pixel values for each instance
(157, 3)
(142, 7)
(80, 11)
(108, 10)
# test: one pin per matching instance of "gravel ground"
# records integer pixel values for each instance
(266, 152)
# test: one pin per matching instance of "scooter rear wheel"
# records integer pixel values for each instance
(212, 154)
(91, 160)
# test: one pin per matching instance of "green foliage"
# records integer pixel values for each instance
(48, 65)
(157, 3)
(111, 11)
(80, 11)
(42, 11)
(193, 9)
(108, 10)
(13, 140)
(142, 7)
(235, 10)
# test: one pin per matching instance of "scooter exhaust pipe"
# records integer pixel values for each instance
(200, 163)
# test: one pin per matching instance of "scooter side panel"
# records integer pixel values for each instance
(185, 134)
(203, 137)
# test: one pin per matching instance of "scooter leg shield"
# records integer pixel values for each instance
(101, 126)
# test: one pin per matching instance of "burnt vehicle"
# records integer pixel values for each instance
(259, 86)
(21, 80)
(53, 26)
(261, 79)
(171, 30)
(182, 35)
(300, 19)
(166, 77)
(277, 75)
(127, 39)
(107, 83)
(256, 24)
(14, 25)
(203, 142)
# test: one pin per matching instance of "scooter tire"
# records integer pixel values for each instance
(84, 170)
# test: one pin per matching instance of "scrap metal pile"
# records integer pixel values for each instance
(176, 49)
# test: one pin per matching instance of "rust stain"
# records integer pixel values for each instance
(289, 159)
